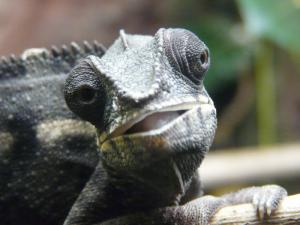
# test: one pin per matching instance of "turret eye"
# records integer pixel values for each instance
(204, 57)
(187, 54)
(86, 94)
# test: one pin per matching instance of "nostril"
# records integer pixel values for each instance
(86, 94)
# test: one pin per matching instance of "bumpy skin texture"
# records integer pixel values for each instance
(48, 156)
(43, 166)
(155, 122)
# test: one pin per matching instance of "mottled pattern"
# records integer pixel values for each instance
(46, 153)
(51, 171)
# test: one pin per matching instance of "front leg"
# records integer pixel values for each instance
(201, 210)
(196, 212)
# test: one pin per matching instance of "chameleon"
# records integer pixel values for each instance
(95, 136)
(154, 123)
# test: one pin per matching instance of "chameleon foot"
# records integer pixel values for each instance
(267, 199)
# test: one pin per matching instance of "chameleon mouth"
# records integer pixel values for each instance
(154, 121)
(151, 123)
(187, 128)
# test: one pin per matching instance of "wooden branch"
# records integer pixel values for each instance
(250, 165)
(288, 212)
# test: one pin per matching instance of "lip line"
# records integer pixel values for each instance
(192, 105)
(163, 127)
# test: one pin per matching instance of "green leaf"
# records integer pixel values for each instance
(275, 20)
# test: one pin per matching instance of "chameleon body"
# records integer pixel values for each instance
(154, 124)
(42, 165)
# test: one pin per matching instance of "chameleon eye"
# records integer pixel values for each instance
(198, 64)
(187, 54)
(85, 94)
(204, 57)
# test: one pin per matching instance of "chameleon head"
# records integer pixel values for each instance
(146, 98)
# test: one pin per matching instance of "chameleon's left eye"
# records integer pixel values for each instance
(186, 53)
(204, 57)
(198, 63)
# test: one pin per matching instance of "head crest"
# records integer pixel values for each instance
(124, 39)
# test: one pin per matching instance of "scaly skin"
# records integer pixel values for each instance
(43, 167)
(154, 122)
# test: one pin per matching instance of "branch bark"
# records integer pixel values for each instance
(288, 212)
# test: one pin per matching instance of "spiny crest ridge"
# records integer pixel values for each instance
(55, 60)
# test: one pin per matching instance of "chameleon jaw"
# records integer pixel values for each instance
(192, 133)
(154, 132)
(144, 121)
(153, 122)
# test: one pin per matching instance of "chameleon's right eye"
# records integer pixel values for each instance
(85, 94)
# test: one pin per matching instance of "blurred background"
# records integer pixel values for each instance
(254, 77)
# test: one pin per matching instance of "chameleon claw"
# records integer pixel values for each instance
(267, 199)
(270, 208)
(261, 211)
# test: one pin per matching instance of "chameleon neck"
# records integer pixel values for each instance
(111, 193)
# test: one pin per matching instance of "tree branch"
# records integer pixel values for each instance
(288, 212)
(238, 166)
